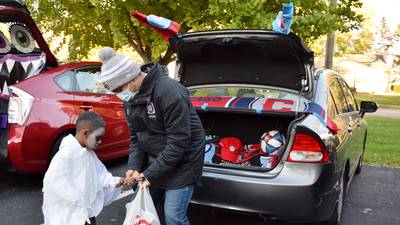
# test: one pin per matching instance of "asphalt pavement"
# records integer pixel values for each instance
(373, 199)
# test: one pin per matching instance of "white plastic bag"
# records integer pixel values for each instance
(141, 210)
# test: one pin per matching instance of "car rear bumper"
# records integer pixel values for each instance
(299, 193)
(10, 147)
(4, 163)
(12, 151)
(3, 157)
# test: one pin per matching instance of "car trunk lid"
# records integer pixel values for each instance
(257, 57)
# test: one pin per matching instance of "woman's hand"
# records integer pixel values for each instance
(142, 180)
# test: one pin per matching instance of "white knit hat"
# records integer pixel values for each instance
(116, 70)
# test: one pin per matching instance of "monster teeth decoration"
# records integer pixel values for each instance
(32, 64)
(5, 94)
(10, 64)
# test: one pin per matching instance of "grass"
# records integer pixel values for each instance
(383, 142)
(384, 101)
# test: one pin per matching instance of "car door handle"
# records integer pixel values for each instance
(86, 107)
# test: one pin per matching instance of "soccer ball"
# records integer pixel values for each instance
(271, 141)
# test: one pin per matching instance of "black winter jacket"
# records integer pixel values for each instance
(167, 137)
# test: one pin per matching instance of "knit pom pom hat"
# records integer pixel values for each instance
(117, 70)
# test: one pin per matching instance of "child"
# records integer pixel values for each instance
(77, 185)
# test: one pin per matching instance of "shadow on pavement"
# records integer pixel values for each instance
(201, 215)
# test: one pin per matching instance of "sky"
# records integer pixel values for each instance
(384, 8)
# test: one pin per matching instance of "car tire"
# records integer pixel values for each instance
(360, 164)
(56, 147)
(361, 161)
(337, 214)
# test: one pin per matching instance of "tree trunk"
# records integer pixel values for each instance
(168, 57)
(136, 43)
(143, 54)
(330, 49)
(330, 43)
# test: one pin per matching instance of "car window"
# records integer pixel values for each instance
(351, 102)
(65, 81)
(338, 95)
(86, 81)
(332, 111)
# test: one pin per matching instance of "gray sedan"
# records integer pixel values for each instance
(283, 139)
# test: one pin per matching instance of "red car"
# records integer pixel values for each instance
(47, 98)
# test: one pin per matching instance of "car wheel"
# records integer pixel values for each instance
(56, 147)
(360, 164)
(337, 214)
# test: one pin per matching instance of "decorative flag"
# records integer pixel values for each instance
(162, 25)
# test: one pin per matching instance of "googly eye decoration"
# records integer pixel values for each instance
(5, 46)
(22, 39)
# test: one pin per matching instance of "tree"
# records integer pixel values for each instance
(93, 23)
(384, 29)
(397, 32)
(357, 41)
(352, 43)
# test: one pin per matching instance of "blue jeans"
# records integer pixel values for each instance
(176, 203)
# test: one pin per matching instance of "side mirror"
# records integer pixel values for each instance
(368, 107)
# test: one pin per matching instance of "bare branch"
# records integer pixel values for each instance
(136, 34)
(167, 58)
(136, 42)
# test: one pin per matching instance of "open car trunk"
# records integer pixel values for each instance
(248, 128)
(230, 75)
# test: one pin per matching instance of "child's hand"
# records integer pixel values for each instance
(130, 179)
(120, 183)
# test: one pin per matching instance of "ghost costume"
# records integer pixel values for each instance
(76, 186)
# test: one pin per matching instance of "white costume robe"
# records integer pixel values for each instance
(76, 186)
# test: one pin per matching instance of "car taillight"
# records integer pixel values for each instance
(19, 107)
(308, 149)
